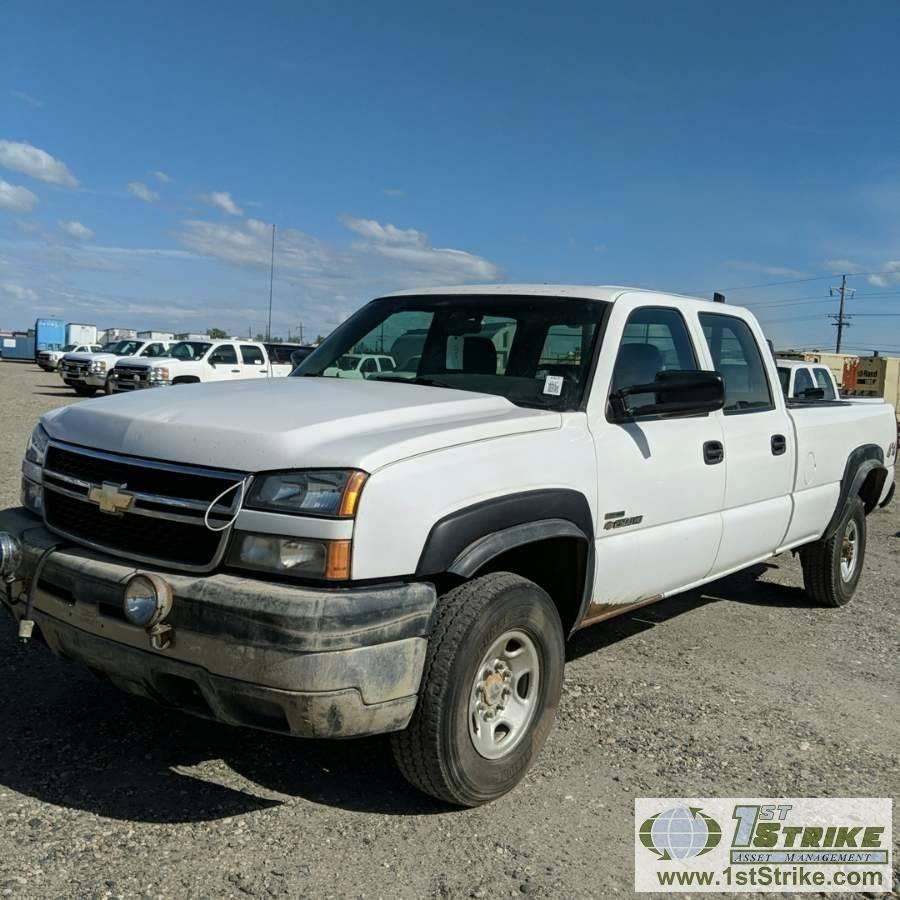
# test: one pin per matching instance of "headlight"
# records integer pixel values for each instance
(159, 374)
(98, 365)
(291, 556)
(37, 446)
(317, 492)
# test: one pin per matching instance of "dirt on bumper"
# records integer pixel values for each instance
(303, 661)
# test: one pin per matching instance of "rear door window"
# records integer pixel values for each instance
(803, 383)
(252, 356)
(737, 358)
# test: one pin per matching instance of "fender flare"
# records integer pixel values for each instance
(860, 464)
(466, 539)
(186, 379)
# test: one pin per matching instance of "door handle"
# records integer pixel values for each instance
(236, 371)
(779, 444)
(713, 453)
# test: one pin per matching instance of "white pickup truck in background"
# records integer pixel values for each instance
(48, 360)
(407, 553)
(88, 373)
(801, 380)
(192, 362)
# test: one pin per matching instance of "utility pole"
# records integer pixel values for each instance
(300, 326)
(841, 321)
(271, 280)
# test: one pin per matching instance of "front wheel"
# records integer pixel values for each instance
(832, 567)
(84, 390)
(490, 688)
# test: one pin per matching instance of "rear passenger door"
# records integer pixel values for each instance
(758, 440)
(253, 361)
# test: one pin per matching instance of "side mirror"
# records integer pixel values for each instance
(685, 392)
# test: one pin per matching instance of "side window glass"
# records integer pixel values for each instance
(225, 355)
(387, 364)
(823, 380)
(802, 383)
(251, 355)
(368, 367)
(655, 340)
(736, 357)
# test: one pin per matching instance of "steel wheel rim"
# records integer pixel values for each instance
(503, 699)
(849, 550)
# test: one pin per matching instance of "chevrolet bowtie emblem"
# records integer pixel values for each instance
(111, 498)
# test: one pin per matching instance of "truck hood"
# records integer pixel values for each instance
(282, 423)
(90, 357)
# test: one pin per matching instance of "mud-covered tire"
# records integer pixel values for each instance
(436, 752)
(825, 573)
(84, 390)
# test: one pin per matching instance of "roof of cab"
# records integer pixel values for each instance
(608, 293)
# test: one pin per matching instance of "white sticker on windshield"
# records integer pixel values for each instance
(553, 385)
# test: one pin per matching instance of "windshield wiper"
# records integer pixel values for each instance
(428, 382)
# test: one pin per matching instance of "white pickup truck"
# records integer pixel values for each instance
(801, 380)
(87, 373)
(192, 362)
(332, 557)
(48, 360)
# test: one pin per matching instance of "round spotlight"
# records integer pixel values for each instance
(10, 555)
(147, 601)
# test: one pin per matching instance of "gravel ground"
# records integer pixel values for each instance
(741, 689)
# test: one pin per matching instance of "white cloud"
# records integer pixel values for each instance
(162, 178)
(842, 266)
(76, 230)
(17, 292)
(385, 257)
(890, 274)
(140, 190)
(394, 192)
(16, 199)
(221, 200)
(36, 163)
(25, 97)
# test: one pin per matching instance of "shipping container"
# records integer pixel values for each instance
(78, 333)
(49, 334)
(877, 376)
(189, 336)
(18, 346)
(111, 335)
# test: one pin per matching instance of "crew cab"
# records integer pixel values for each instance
(87, 373)
(333, 557)
(801, 380)
(192, 362)
(48, 360)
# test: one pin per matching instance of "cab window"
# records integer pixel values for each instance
(224, 355)
(368, 366)
(252, 356)
(655, 340)
(803, 383)
(737, 359)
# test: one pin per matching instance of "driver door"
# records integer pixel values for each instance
(661, 482)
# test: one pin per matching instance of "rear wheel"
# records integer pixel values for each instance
(491, 685)
(832, 567)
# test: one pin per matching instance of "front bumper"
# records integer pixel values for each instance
(302, 661)
(95, 379)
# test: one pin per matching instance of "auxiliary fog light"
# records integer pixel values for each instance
(147, 601)
(10, 555)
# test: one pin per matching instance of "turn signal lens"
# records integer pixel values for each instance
(352, 492)
(338, 567)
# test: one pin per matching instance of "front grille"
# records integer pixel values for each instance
(165, 505)
(127, 378)
(160, 539)
(75, 369)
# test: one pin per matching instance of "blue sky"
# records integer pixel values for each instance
(146, 148)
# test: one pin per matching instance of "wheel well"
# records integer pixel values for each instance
(558, 565)
(186, 379)
(870, 490)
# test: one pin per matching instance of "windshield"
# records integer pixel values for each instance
(189, 349)
(784, 376)
(535, 351)
(68, 348)
(123, 348)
